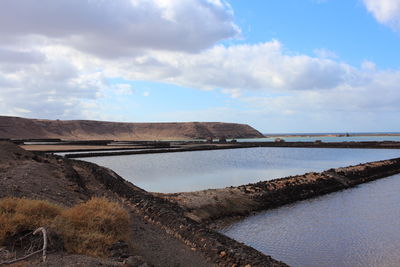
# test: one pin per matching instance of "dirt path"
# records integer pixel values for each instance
(160, 249)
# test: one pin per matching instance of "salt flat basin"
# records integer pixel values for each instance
(354, 227)
(191, 171)
(378, 138)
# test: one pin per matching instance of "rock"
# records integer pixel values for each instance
(135, 261)
(119, 250)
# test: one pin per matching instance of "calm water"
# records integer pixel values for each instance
(326, 139)
(190, 171)
(355, 227)
(107, 151)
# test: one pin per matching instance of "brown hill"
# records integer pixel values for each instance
(21, 128)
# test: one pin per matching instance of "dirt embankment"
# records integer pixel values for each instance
(21, 128)
(212, 204)
(162, 234)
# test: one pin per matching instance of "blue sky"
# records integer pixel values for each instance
(278, 65)
(344, 27)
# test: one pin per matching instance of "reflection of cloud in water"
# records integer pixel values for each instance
(189, 171)
(346, 228)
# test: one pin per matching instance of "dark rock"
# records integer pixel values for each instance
(135, 261)
(120, 250)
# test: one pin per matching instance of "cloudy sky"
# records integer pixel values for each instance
(278, 65)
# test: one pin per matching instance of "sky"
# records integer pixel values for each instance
(281, 66)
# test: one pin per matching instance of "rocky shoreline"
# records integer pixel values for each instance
(182, 216)
(219, 249)
(66, 182)
(191, 146)
(210, 205)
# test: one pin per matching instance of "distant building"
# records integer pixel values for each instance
(222, 140)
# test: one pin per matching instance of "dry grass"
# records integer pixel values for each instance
(18, 214)
(92, 227)
(89, 228)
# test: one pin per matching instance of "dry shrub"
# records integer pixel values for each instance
(18, 214)
(89, 228)
(92, 227)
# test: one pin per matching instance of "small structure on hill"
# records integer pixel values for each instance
(222, 140)
(209, 140)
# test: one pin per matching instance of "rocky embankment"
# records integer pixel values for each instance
(212, 204)
(21, 128)
(67, 182)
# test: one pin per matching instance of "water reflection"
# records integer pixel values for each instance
(355, 227)
(189, 171)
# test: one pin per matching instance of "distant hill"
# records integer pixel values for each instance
(21, 128)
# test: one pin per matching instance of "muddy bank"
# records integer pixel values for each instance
(201, 147)
(209, 205)
(189, 146)
(163, 232)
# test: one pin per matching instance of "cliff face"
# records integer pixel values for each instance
(15, 127)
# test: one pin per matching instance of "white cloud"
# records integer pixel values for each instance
(56, 58)
(15, 56)
(119, 27)
(52, 52)
(234, 93)
(52, 89)
(262, 66)
(122, 89)
(368, 65)
(385, 11)
(325, 53)
(68, 83)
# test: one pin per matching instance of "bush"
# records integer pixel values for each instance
(18, 214)
(92, 227)
(89, 228)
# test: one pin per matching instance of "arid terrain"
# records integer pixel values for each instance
(21, 128)
(169, 229)
(161, 233)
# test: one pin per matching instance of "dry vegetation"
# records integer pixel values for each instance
(17, 215)
(89, 228)
(92, 227)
